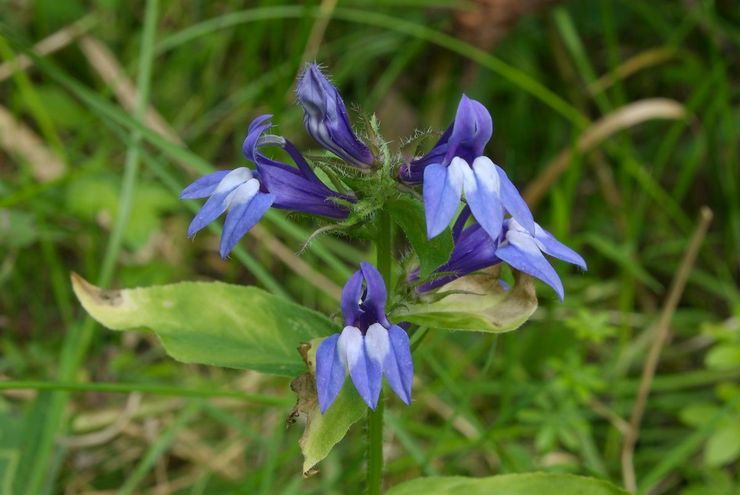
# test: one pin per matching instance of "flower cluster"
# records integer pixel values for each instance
(246, 194)
(495, 225)
(456, 165)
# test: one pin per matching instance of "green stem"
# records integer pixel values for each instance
(375, 418)
(375, 449)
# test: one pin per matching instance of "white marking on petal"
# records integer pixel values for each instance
(523, 241)
(486, 175)
(350, 346)
(457, 173)
(233, 179)
(242, 194)
(377, 343)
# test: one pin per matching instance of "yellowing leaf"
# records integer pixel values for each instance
(211, 322)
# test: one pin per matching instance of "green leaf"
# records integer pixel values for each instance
(10, 445)
(477, 303)
(212, 323)
(322, 432)
(409, 216)
(723, 357)
(723, 446)
(508, 484)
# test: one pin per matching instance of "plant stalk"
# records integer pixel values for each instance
(375, 418)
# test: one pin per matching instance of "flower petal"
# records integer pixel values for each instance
(247, 206)
(377, 348)
(398, 366)
(351, 294)
(471, 131)
(483, 194)
(514, 203)
(376, 293)
(474, 250)
(442, 190)
(325, 117)
(462, 219)
(366, 376)
(211, 210)
(294, 192)
(258, 126)
(521, 252)
(203, 187)
(330, 372)
(550, 245)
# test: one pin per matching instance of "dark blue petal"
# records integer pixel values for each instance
(246, 208)
(326, 120)
(398, 366)
(521, 252)
(366, 375)
(203, 187)
(375, 294)
(256, 129)
(442, 190)
(557, 249)
(301, 162)
(514, 203)
(294, 192)
(258, 121)
(351, 294)
(482, 192)
(330, 372)
(471, 131)
(462, 219)
(474, 250)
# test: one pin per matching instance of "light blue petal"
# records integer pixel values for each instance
(203, 187)
(550, 245)
(398, 367)
(330, 372)
(377, 349)
(210, 211)
(514, 203)
(442, 191)
(242, 217)
(522, 253)
(483, 194)
(366, 375)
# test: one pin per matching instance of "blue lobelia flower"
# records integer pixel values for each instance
(474, 250)
(455, 165)
(368, 347)
(326, 120)
(247, 194)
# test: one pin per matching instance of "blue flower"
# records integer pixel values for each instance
(245, 195)
(474, 250)
(326, 120)
(455, 165)
(368, 347)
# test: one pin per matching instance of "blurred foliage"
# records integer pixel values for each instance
(552, 396)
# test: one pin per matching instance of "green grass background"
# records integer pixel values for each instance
(100, 412)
